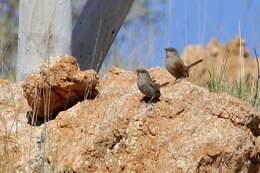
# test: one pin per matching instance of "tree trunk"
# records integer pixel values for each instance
(96, 29)
(44, 30)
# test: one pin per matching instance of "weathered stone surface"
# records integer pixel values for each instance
(217, 56)
(188, 130)
(58, 85)
(13, 122)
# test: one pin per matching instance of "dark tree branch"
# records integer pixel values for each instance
(96, 29)
(257, 79)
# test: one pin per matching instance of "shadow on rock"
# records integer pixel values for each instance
(58, 85)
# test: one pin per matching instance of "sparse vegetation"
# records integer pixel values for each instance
(246, 88)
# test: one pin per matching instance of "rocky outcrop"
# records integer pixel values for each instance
(221, 59)
(188, 130)
(13, 108)
(57, 85)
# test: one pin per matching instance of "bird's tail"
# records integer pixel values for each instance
(195, 63)
(163, 84)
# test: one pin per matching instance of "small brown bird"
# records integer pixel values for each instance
(175, 65)
(147, 86)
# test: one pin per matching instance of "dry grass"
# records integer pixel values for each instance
(243, 88)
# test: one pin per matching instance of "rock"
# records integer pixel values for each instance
(188, 130)
(255, 154)
(13, 106)
(217, 55)
(57, 85)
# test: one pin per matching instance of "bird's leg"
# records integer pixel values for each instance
(150, 101)
(176, 81)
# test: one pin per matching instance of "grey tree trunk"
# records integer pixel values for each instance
(45, 29)
(96, 29)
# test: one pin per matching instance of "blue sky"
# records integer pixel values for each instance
(198, 21)
(186, 22)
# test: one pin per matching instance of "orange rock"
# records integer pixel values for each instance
(189, 130)
(58, 85)
(215, 55)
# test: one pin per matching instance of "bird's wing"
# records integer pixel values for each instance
(154, 85)
(181, 70)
